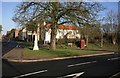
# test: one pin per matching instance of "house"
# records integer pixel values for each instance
(25, 35)
(71, 32)
(13, 34)
(16, 33)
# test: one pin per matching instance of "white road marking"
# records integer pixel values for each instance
(114, 75)
(81, 64)
(31, 73)
(73, 75)
(114, 58)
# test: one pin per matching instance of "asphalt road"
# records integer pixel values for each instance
(104, 66)
(7, 46)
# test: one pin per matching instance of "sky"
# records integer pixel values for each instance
(109, 6)
(7, 11)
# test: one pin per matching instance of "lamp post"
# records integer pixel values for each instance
(36, 40)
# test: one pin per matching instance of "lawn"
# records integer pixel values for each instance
(65, 51)
(106, 46)
(45, 53)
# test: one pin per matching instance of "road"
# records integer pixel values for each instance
(104, 66)
(7, 46)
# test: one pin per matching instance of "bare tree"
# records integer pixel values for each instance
(112, 25)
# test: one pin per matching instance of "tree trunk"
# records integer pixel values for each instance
(53, 39)
(87, 41)
(86, 36)
(101, 41)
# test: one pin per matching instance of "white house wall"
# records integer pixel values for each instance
(24, 35)
(24, 30)
(47, 36)
(61, 33)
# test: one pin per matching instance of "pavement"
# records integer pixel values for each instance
(16, 55)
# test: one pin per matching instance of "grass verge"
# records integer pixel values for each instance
(45, 54)
(64, 51)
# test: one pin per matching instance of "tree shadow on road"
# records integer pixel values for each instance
(8, 46)
(5, 62)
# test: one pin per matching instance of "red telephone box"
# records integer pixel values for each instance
(82, 44)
